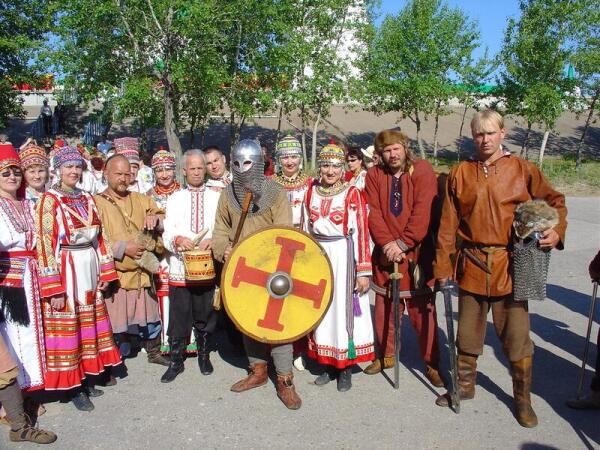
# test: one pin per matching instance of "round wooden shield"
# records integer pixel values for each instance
(277, 285)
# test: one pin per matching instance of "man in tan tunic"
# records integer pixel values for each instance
(269, 207)
(479, 206)
(132, 306)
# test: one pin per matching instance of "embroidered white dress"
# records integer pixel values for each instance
(18, 266)
(339, 222)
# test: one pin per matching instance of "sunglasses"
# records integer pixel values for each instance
(8, 172)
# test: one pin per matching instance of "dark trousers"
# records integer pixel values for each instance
(191, 307)
(511, 322)
(422, 315)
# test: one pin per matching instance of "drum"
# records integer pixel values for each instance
(199, 265)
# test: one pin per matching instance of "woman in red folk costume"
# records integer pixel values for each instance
(20, 315)
(34, 164)
(336, 215)
(75, 266)
(22, 363)
(163, 164)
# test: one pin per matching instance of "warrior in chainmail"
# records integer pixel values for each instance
(247, 168)
(269, 207)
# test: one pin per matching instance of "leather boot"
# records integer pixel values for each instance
(344, 381)
(467, 372)
(257, 377)
(176, 365)
(375, 366)
(433, 375)
(152, 347)
(21, 426)
(521, 375)
(206, 367)
(287, 392)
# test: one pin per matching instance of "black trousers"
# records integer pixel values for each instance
(191, 307)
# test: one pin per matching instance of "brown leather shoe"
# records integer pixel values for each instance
(375, 366)
(467, 372)
(286, 391)
(257, 377)
(521, 375)
(433, 375)
(30, 433)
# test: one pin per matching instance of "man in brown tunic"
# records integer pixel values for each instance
(133, 307)
(400, 194)
(270, 207)
(479, 204)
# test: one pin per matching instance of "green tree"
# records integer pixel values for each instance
(311, 64)
(586, 60)
(413, 57)
(22, 27)
(534, 57)
(474, 75)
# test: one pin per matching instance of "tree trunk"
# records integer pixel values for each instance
(419, 141)
(543, 147)
(303, 140)
(279, 125)
(192, 129)
(462, 122)
(202, 132)
(313, 153)
(170, 125)
(526, 141)
(585, 129)
(232, 129)
(435, 131)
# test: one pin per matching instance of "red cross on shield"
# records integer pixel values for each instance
(277, 285)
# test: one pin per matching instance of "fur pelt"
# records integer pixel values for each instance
(149, 262)
(532, 216)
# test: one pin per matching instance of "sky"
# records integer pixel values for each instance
(491, 16)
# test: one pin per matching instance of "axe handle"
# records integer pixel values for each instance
(245, 208)
(218, 300)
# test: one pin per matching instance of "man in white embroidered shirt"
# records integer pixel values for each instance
(190, 212)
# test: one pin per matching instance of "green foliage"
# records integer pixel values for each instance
(535, 56)
(22, 27)
(140, 98)
(414, 56)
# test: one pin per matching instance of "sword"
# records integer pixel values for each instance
(395, 277)
(587, 338)
(454, 397)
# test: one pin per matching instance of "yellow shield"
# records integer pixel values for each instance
(277, 285)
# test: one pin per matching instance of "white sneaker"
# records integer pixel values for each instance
(299, 363)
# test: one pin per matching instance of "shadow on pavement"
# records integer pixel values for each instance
(574, 300)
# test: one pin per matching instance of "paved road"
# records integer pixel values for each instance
(201, 412)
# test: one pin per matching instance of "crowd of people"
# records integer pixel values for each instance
(93, 245)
